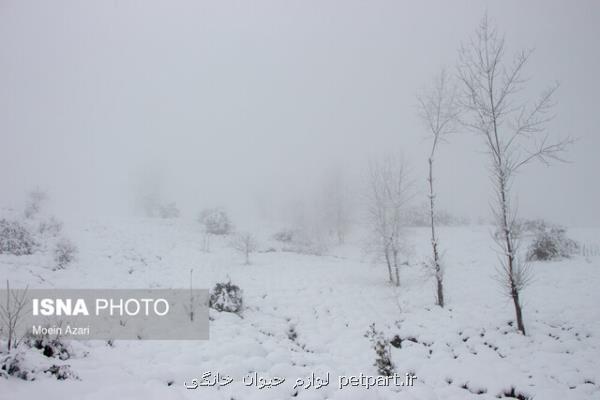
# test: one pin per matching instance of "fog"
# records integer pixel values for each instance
(251, 105)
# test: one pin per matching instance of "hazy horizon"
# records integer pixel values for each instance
(255, 104)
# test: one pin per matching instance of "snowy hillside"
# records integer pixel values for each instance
(308, 314)
(279, 200)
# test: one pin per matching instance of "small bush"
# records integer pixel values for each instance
(15, 238)
(50, 347)
(15, 364)
(551, 243)
(12, 364)
(61, 372)
(226, 297)
(64, 253)
(383, 360)
(216, 221)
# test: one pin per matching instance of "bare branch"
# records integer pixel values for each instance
(512, 135)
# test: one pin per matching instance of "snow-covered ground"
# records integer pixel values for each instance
(309, 314)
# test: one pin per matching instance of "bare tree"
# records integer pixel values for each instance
(11, 313)
(438, 110)
(389, 192)
(513, 133)
(244, 243)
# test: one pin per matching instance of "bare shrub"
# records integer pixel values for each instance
(52, 347)
(551, 243)
(15, 238)
(15, 364)
(383, 359)
(64, 253)
(12, 364)
(11, 311)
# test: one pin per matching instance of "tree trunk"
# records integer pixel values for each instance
(440, 292)
(9, 317)
(436, 258)
(396, 265)
(389, 265)
(514, 290)
(518, 312)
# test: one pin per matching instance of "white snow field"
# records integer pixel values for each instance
(309, 314)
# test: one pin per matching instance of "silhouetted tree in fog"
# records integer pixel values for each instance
(388, 195)
(244, 243)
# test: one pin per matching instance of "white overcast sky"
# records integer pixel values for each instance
(230, 101)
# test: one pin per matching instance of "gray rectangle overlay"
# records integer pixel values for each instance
(125, 314)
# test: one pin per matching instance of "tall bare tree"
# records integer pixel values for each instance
(514, 136)
(389, 193)
(438, 110)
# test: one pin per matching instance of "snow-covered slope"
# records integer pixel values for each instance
(309, 314)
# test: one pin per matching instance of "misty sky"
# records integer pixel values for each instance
(239, 102)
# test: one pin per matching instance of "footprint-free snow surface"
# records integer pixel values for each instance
(308, 314)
